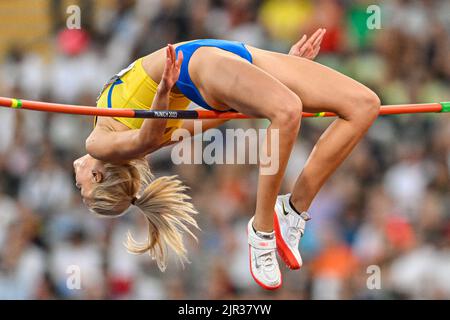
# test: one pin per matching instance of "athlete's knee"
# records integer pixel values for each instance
(372, 104)
(289, 113)
(366, 107)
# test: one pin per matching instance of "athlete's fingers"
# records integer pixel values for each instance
(179, 59)
(166, 68)
(302, 50)
(171, 53)
(174, 55)
(168, 57)
(316, 52)
(317, 43)
(319, 39)
(310, 51)
(301, 41)
(311, 40)
(296, 47)
(315, 35)
(169, 60)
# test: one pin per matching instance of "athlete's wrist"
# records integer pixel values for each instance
(163, 88)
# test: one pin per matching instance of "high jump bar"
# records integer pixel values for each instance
(196, 114)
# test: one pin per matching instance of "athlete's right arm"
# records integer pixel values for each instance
(106, 143)
(115, 146)
(109, 145)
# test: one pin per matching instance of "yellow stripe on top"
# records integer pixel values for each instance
(137, 91)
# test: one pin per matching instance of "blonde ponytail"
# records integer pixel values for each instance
(168, 212)
(162, 201)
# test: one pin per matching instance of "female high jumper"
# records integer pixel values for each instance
(222, 75)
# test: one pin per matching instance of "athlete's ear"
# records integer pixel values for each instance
(97, 176)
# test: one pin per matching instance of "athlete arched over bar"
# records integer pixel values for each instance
(222, 75)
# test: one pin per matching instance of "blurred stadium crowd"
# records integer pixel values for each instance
(388, 206)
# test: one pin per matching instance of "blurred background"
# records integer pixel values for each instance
(388, 206)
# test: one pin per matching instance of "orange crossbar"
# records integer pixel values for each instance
(194, 114)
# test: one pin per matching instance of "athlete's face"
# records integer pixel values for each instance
(88, 172)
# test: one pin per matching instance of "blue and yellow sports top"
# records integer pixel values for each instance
(132, 88)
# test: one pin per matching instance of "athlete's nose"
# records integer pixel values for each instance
(79, 162)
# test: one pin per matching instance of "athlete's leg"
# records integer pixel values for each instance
(323, 89)
(228, 81)
(225, 79)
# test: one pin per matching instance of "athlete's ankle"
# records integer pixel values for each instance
(264, 235)
(257, 228)
(297, 206)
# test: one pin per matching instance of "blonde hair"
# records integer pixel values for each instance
(162, 201)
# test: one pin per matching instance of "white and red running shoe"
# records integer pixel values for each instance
(263, 260)
(289, 228)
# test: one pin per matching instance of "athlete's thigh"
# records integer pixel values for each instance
(228, 81)
(319, 87)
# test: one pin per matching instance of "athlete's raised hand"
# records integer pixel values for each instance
(308, 48)
(171, 69)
